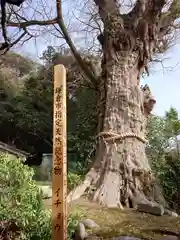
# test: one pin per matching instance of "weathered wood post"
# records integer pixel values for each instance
(59, 175)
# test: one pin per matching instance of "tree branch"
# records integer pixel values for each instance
(59, 20)
(138, 9)
(91, 78)
(6, 48)
(156, 7)
(107, 8)
(26, 24)
(149, 9)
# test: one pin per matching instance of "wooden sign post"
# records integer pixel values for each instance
(59, 174)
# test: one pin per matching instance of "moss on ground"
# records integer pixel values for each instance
(115, 222)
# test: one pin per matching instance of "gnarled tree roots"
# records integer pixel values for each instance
(114, 189)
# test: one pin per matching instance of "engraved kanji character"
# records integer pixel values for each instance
(58, 150)
(57, 227)
(57, 203)
(58, 114)
(58, 140)
(58, 158)
(57, 171)
(58, 90)
(57, 192)
(58, 105)
(58, 131)
(58, 98)
(58, 122)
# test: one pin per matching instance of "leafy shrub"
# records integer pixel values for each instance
(73, 221)
(169, 176)
(73, 180)
(163, 152)
(21, 200)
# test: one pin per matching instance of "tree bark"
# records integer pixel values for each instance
(121, 171)
(121, 162)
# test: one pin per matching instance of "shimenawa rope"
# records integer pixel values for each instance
(108, 136)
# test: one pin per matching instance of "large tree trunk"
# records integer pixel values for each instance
(121, 172)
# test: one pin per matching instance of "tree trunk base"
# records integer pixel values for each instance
(79, 190)
(118, 180)
(113, 192)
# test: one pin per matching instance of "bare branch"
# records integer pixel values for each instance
(138, 9)
(149, 9)
(6, 48)
(59, 20)
(26, 24)
(88, 74)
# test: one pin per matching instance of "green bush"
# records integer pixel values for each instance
(73, 221)
(169, 176)
(73, 180)
(21, 200)
(163, 152)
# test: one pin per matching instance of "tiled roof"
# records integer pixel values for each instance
(10, 149)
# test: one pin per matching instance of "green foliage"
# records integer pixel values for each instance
(172, 123)
(26, 117)
(73, 180)
(163, 153)
(175, 8)
(82, 122)
(158, 142)
(48, 55)
(21, 200)
(26, 121)
(34, 112)
(73, 221)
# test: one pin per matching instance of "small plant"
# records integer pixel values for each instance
(73, 221)
(21, 200)
(73, 180)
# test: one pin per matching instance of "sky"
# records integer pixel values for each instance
(164, 81)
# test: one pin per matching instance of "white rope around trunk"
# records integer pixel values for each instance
(108, 136)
